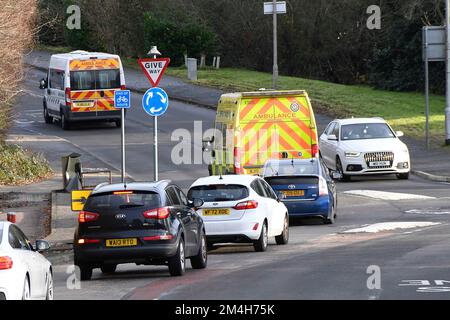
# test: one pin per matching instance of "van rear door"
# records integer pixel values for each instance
(295, 127)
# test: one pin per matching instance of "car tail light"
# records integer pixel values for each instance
(237, 161)
(6, 263)
(160, 213)
(314, 150)
(323, 187)
(119, 193)
(123, 87)
(246, 205)
(156, 238)
(85, 216)
(68, 100)
(88, 241)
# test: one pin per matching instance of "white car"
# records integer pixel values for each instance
(355, 147)
(240, 209)
(24, 273)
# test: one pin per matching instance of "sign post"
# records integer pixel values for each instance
(155, 101)
(122, 100)
(274, 8)
(433, 50)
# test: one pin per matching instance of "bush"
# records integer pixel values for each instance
(175, 38)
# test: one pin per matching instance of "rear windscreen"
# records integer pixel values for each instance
(277, 181)
(218, 193)
(105, 202)
(95, 79)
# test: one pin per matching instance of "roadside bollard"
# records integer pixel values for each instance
(11, 217)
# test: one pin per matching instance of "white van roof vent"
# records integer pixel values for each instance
(79, 52)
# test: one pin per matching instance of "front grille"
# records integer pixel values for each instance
(379, 156)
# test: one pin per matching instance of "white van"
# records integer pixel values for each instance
(80, 86)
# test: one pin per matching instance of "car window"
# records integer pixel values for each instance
(56, 79)
(18, 240)
(330, 128)
(258, 188)
(172, 194)
(325, 171)
(182, 196)
(363, 131)
(335, 131)
(122, 200)
(218, 192)
(95, 79)
(269, 191)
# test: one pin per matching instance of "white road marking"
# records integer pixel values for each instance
(390, 226)
(429, 211)
(33, 138)
(390, 196)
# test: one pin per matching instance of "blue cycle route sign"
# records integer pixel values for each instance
(155, 102)
(122, 99)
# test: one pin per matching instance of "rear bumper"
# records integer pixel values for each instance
(319, 207)
(92, 116)
(154, 253)
(231, 238)
(11, 288)
(229, 229)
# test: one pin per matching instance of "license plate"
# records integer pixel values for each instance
(253, 171)
(216, 212)
(379, 164)
(83, 104)
(294, 193)
(121, 242)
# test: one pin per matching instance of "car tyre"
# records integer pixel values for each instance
(26, 294)
(200, 261)
(283, 238)
(403, 176)
(64, 122)
(261, 244)
(340, 169)
(47, 118)
(49, 295)
(85, 272)
(108, 268)
(177, 264)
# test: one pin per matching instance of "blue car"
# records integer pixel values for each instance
(304, 186)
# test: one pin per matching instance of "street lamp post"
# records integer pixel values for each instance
(275, 46)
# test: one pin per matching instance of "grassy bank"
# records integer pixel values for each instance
(18, 166)
(404, 110)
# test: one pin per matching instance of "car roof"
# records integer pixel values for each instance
(360, 120)
(134, 186)
(226, 179)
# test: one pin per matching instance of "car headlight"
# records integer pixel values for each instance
(351, 154)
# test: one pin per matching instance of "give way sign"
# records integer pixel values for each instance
(154, 69)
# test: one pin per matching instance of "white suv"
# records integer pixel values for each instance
(240, 209)
(354, 147)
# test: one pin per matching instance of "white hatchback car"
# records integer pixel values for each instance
(24, 273)
(240, 209)
(354, 147)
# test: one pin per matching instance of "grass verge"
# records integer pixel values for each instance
(19, 166)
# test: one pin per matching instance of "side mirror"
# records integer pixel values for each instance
(332, 137)
(400, 134)
(43, 84)
(42, 246)
(207, 144)
(336, 175)
(196, 203)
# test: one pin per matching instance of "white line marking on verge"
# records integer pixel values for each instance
(390, 196)
(390, 226)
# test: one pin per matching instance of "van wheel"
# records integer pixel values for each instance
(283, 238)
(177, 264)
(85, 271)
(47, 118)
(118, 123)
(64, 122)
(261, 244)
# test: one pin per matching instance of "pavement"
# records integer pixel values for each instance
(321, 261)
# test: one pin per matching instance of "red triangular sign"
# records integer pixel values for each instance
(154, 69)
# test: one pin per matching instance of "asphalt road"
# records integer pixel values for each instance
(320, 262)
